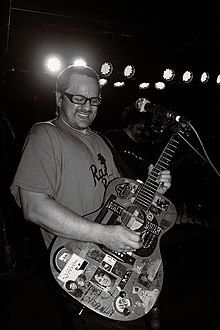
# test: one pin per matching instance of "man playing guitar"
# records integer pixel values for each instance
(62, 176)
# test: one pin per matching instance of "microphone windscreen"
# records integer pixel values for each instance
(140, 104)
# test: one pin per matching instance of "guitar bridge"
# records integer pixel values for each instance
(121, 256)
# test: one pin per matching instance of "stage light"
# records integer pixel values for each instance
(103, 82)
(106, 69)
(144, 85)
(218, 79)
(119, 84)
(187, 76)
(79, 62)
(53, 64)
(204, 77)
(129, 71)
(168, 74)
(159, 85)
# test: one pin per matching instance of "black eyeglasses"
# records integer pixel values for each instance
(80, 99)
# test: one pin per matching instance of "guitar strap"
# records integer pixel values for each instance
(122, 167)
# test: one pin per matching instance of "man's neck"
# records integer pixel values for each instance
(83, 131)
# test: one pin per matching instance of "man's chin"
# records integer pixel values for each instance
(83, 124)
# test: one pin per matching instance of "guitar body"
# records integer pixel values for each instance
(120, 286)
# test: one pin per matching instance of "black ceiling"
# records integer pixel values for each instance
(121, 30)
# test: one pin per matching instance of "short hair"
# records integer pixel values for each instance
(64, 76)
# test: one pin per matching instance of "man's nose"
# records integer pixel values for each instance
(87, 105)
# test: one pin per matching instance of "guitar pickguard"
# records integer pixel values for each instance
(121, 286)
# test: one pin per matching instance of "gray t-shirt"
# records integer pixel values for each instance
(66, 164)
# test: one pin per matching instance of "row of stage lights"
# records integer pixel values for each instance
(54, 65)
(168, 75)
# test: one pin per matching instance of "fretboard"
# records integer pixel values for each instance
(148, 189)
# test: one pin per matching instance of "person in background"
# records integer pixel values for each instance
(64, 171)
(137, 143)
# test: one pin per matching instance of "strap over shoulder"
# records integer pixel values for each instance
(122, 167)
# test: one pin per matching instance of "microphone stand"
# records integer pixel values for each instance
(207, 159)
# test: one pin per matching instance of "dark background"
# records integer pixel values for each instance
(181, 35)
(151, 37)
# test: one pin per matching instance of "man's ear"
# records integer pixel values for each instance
(59, 98)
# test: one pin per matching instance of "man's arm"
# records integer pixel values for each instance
(44, 211)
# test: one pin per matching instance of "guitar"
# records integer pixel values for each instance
(120, 286)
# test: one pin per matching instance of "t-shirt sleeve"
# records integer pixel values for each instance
(37, 170)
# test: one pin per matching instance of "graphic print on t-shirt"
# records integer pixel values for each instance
(101, 173)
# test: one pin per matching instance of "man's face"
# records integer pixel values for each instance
(103, 280)
(80, 116)
(137, 130)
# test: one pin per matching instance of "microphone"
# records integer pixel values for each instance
(144, 105)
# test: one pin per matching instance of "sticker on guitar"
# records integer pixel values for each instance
(121, 286)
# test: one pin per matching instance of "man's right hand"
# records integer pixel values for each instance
(120, 238)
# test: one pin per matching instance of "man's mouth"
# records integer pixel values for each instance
(83, 115)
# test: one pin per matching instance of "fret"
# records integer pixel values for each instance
(165, 161)
(151, 181)
(146, 196)
(167, 153)
(172, 146)
(142, 203)
(165, 156)
(172, 141)
(151, 186)
(161, 161)
(148, 190)
(161, 168)
(153, 175)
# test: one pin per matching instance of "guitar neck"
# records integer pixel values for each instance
(148, 190)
